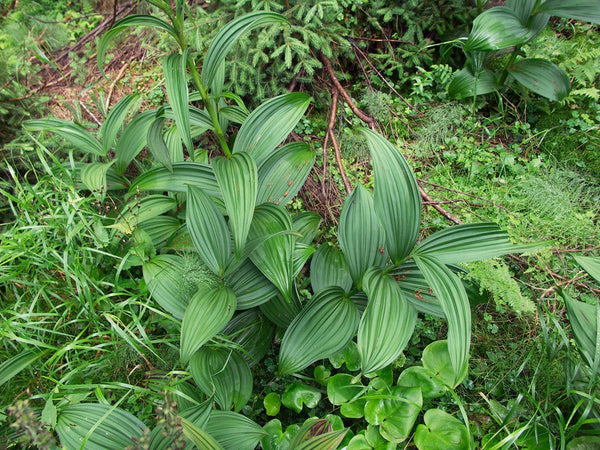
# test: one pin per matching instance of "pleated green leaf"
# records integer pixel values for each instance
(268, 125)
(234, 113)
(466, 84)
(199, 437)
(325, 441)
(542, 77)
(396, 196)
(274, 257)
(136, 20)
(19, 362)
(227, 38)
(133, 140)
(322, 329)
(174, 68)
(139, 211)
(207, 313)
(280, 311)
(360, 234)
(470, 242)
(199, 118)
(234, 431)
(315, 434)
(522, 8)
(157, 145)
(97, 426)
(174, 145)
(165, 277)
(238, 179)
(329, 268)
(161, 229)
(585, 10)
(93, 176)
(182, 175)
(302, 253)
(585, 322)
(72, 132)
(417, 290)
(501, 27)
(253, 332)
(114, 121)
(251, 287)
(590, 264)
(284, 173)
(208, 230)
(306, 224)
(451, 294)
(387, 324)
(224, 374)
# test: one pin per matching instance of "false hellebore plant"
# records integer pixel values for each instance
(221, 254)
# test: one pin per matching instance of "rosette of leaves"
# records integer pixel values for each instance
(505, 29)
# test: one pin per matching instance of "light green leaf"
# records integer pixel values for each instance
(251, 287)
(165, 277)
(585, 10)
(284, 173)
(585, 322)
(174, 68)
(234, 113)
(360, 234)
(423, 378)
(97, 426)
(329, 268)
(227, 38)
(323, 328)
(133, 140)
(396, 196)
(542, 77)
(19, 362)
(277, 439)
(268, 125)
(238, 179)
(297, 394)
(272, 404)
(302, 253)
(274, 257)
(138, 211)
(182, 175)
(306, 224)
(212, 307)
(200, 438)
(74, 133)
(251, 331)
(234, 431)
(451, 294)
(501, 27)
(441, 431)
(93, 176)
(387, 324)
(467, 84)
(341, 389)
(208, 230)
(161, 229)
(436, 359)
(136, 20)
(174, 145)
(224, 373)
(417, 290)
(470, 242)
(590, 264)
(114, 121)
(157, 145)
(317, 434)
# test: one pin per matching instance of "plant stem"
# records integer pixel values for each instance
(465, 416)
(510, 62)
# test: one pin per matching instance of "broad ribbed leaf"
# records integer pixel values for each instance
(207, 313)
(251, 287)
(234, 113)
(136, 20)
(329, 268)
(306, 224)
(302, 253)
(183, 175)
(585, 10)
(417, 290)
(157, 145)
(97, 426)
(269, 124)
(274, 257)
(234, 431)
(93, 176)
(199, 437)
(74, 133)
(590, 264)
(468, 243)
(138, 211)
(386, 325)
(227, 38)
(396, 196)
(133, 140)
(280, 311)
(542, 77)
(174, 145)
(522, 8)
(174, 68)
(253, 332)
(224, 373)
(199, 118)
(501, 27)
(322, 329)
(585, 322)
(284, 173)
(325, 441)
(114, 121)
(12, 366)
(317, 434)
(237, 177)
(451, 294)
(208, 230)
(360, 234)
(466, 84)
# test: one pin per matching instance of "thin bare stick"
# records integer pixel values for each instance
(438, 208)
(89, 113)
(112, 85)
(334, 141)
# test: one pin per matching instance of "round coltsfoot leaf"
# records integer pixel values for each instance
(441, 431)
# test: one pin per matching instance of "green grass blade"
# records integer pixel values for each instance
(14, 365)
(114, 121)
(174, 68)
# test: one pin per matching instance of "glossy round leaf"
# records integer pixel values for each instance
(441, 431)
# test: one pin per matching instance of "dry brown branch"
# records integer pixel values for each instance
(336, 147)
(112, 85)
(425, 196)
